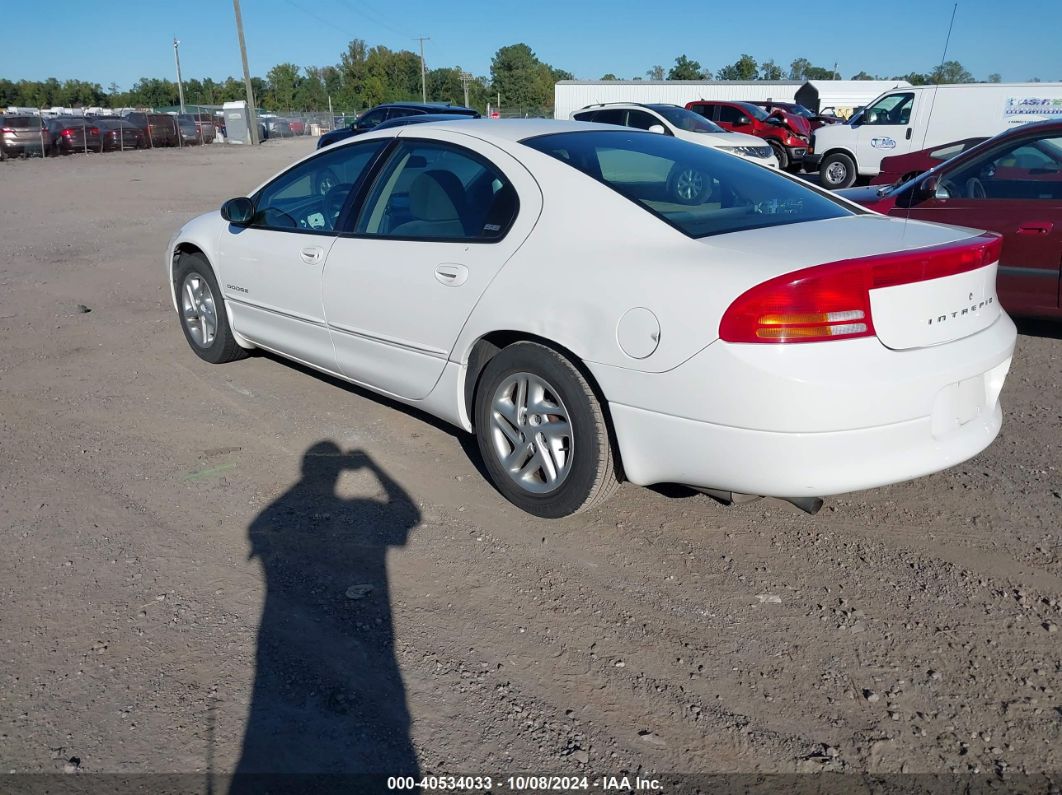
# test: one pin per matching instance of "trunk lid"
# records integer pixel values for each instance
(946, 303)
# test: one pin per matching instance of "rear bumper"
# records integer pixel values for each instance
(791, 421)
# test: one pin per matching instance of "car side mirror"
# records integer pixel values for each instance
(657, 128)
(775, 121)
(931, 188)
(238, 211)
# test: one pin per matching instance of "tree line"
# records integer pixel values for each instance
(367, 76)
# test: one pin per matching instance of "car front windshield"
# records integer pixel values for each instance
(694, 188)
(757, 113)
(687, 120)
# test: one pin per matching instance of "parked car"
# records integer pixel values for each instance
(395, 110)
(74, 134)
(901, 168)
(770, 338)
(162, 129)
(1010, 184)
(119, 134)
(789, 145)
(276, 127)
(298, 126)
(676, 121)
(187, 129)
(918, 117)
(204, 125)
(21, 136)
(795, 109)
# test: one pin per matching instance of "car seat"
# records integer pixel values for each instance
(437, 204)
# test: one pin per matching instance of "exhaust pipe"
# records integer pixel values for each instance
(809, 505)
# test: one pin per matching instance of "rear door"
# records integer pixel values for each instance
(1016, 190)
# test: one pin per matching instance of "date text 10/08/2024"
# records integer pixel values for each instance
(526, 783)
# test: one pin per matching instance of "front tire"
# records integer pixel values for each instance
(837, 171)
(204, 321)
(542, 433)
(689, 185)
(781, 155)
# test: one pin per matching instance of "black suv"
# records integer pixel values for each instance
(393, 110)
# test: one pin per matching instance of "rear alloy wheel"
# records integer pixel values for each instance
(202, 309)
(688, 185)
(837, 171)
(542, 432)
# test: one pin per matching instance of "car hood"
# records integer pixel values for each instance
(720, 139)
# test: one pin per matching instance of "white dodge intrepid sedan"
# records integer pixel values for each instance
(552, 288)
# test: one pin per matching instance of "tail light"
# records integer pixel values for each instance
(68, 132)
(832, 301)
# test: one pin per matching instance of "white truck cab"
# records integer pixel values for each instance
(913, 118)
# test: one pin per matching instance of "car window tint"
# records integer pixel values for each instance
(434, 191)
(642, 120)
(1029, 169)
(893, 109)
(729, 114)
(612, 116)
(589, 115)
(310, 195)
(694, 188)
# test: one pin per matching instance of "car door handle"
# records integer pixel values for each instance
(311, 255)
(1035, 228)
(908, 133)
(451, 274)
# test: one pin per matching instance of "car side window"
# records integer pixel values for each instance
(1030, 169)
(589, 115)
(728, 114)
(310, 196)
(436, 191)
(702, 110)
(893, 109)
(612, 116)
(371, 119)
(642, 120)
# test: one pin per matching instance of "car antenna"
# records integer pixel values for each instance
(933, 100)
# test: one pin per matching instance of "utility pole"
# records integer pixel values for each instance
(466, 78)
(177, 59)
(252, 115)
(423, 84)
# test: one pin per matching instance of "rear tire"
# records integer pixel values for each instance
(201, 308)
(688, 185)
(542, 433)
(837, 170)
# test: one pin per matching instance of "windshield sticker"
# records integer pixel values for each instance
(883, 143)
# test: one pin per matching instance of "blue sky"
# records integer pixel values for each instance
(121, 42)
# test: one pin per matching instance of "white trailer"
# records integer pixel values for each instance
(910, 119)
(570, 95)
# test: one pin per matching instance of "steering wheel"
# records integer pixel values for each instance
(975, 189)
(333, 202)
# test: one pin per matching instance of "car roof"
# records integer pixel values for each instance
(516, 130)
(435, 107)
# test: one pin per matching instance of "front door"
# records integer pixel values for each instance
(885, 130)
(271, 268)
(444, 215)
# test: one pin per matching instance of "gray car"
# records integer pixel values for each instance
(21, 136)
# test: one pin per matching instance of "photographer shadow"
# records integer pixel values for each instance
(328, 698)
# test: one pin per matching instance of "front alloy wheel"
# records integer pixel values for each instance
(202, 311)
(198, 311)
(531, 433)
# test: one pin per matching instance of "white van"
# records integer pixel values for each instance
(910, 119)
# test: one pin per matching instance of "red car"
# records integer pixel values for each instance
(795, 109)
(1011, 184)
(790, 143)
(298, 126)
(900, 168)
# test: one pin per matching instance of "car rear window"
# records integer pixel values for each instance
(696, 189)
(21, 122)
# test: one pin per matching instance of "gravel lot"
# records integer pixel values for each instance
(219, 568)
